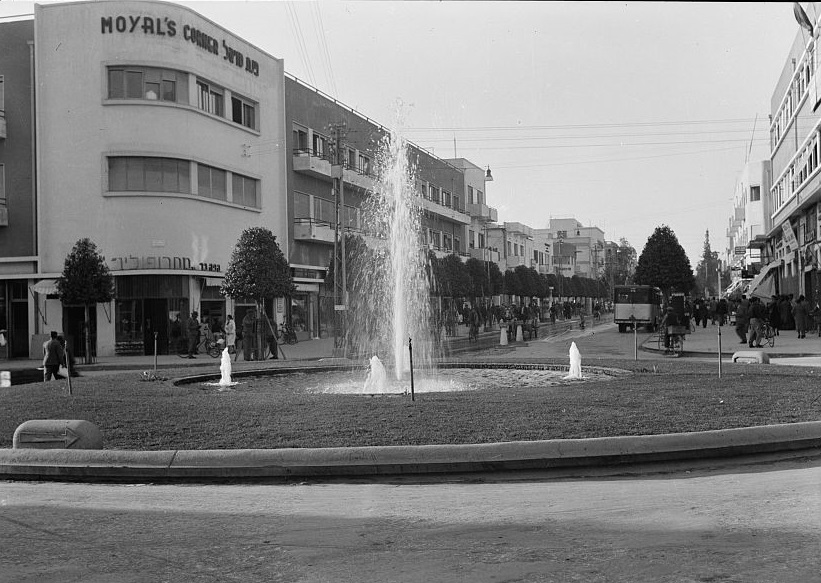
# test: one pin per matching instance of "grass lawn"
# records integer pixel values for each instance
(676, 396)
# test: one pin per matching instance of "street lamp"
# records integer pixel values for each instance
(486, 248)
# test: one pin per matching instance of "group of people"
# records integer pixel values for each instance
(242, 339)
(782, 312)
(55, 357)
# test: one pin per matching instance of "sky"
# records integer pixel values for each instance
(623, 115)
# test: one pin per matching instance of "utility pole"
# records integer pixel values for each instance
(340, 267)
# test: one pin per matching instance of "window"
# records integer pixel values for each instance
(471, 200)
(243, 112)
(210, 99)
(302, 206)
(755, 193)
(364, 165)
(351, 217)
(457, 203)
(351, 161)
(325, 211)
(244, 190)
(434, 194)
(4, 213)
(211, 182)
(446, 200)
(447, 242)
(144, 174)
(423, 190)
(320, 146)
(471, 236)
(151, 83)
(300, 136)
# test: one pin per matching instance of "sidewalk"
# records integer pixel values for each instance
(704, 342)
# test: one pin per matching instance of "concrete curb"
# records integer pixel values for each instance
(190, 465)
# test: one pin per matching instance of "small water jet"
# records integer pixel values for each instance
(575, 363)
(225, 372)
(377, 377)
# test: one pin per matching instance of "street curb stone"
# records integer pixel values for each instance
(182, 465)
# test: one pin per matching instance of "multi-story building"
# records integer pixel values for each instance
(791, 250)
(586, 244)
(138, 137)
(482, 216)
(747, 228)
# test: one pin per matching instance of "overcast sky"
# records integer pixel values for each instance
(624, 115)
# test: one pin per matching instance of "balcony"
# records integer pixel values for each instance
(485, 254)
(312, 163)
(356, 178)
(312, 230)
(520, 229)
(483, 213)
(457, 216)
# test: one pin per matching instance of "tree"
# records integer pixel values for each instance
(621, 265)
(707, 283)
(85, 281)
(663, 263)
(257, 270)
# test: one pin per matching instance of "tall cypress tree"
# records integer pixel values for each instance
(663, 263)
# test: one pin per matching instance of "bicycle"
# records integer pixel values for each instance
(286, 334)
(767, 335)
(675, 340)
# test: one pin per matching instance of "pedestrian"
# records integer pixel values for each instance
(801, 315)
(785, 311)
(742, 319)
(774, 314)
(721, 311)
(52, 359)
(230, 334)
(249, 322)
(176, 335)
(757, 312)
(193, 329)
(704, 313)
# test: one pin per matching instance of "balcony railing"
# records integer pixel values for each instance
(483, 212)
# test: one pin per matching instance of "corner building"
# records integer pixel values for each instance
(158, 136)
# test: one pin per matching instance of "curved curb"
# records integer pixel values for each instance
(193, 465)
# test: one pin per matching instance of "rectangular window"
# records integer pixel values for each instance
(212, 182)
(351, 164)
(300, 136)
(302, 206)
(210, 99)
(325, 211)
(138, 174)
(447, 241)
(755, 193)
(446, 198)
(245, 190)
(351, 220)
(243, 112)
(471, 236)
(470, 195)
(364, 165)
(434, 194)
(320, 146)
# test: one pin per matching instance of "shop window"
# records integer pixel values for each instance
(151, 83)
(211, 182)
(148, 174)
(245, 190)
(243, 112)
(210, 98)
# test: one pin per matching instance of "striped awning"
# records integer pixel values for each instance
(45, 286)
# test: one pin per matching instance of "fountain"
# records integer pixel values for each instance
(575, 363)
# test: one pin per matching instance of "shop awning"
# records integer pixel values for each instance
(45, 286)
(763, 284)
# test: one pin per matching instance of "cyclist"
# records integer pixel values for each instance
(670, 319)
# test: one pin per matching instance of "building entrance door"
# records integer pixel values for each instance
(74, 319)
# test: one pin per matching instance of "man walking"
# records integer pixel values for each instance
(53, 358)
(742, 319)
(757, 314)
(193, 328)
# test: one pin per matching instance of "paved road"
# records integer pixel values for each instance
(754, 524)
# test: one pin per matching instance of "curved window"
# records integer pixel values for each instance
(149, 174)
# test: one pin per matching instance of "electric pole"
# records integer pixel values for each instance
(340, 267)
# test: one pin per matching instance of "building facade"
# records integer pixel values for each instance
(147, 120)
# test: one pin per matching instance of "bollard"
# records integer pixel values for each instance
(519, 335)
(503, 336)
(57, 434)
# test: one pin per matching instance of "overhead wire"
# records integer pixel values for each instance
(296, 29)
(323, 41)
